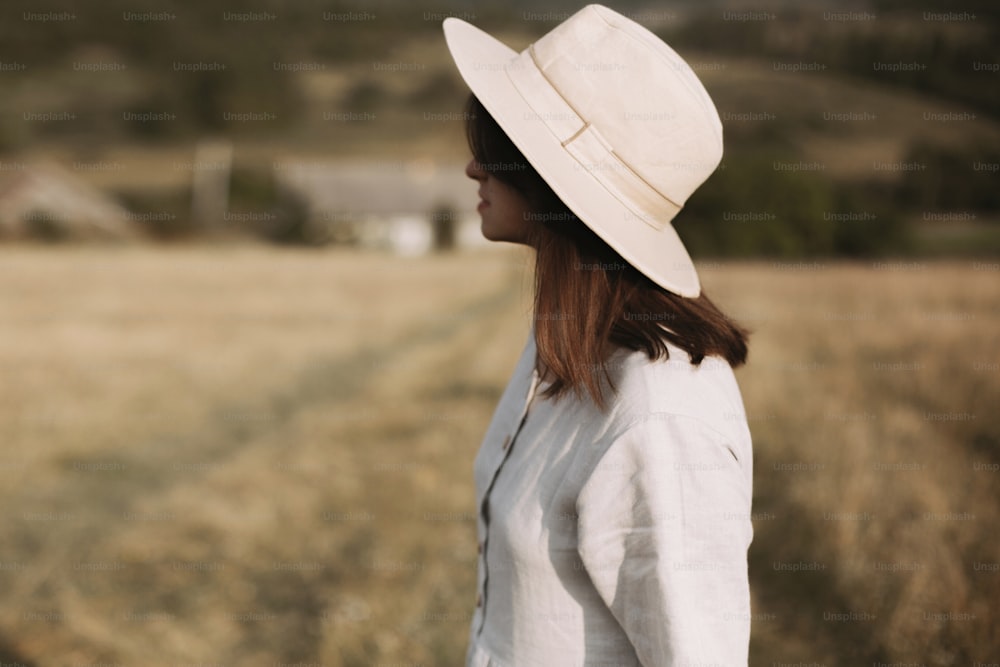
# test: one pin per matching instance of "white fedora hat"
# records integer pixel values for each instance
(613, 119)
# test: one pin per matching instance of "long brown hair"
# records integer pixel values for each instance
(587, 298)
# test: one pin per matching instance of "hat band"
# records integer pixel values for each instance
(586, 145)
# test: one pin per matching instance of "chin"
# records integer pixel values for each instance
(501, 233)
(491, 235)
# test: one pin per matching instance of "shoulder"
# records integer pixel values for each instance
(670, 419)
(707, 393)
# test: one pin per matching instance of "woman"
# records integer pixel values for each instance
(614, 481)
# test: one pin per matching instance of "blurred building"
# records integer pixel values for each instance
(46, 202)
(392, 205)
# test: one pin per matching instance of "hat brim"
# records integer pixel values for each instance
(658, 253)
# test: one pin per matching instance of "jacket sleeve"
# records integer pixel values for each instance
(663, 529)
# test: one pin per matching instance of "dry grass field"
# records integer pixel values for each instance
(245, 456)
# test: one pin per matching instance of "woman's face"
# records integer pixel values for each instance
(504, 210)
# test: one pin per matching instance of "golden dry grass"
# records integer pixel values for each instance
(247, 456)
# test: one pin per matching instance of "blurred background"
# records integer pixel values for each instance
(251, 335)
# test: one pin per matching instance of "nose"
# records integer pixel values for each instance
(475, 171)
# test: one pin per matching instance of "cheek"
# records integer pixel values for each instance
(514, 204)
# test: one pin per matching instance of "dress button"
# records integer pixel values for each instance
(479, 600)
(506, 442)
(479, 548)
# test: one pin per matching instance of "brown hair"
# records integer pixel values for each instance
(587, 298)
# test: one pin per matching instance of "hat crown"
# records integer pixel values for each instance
(639, 94)
(612, 119)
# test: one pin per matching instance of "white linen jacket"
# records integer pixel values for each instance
(616, 538)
